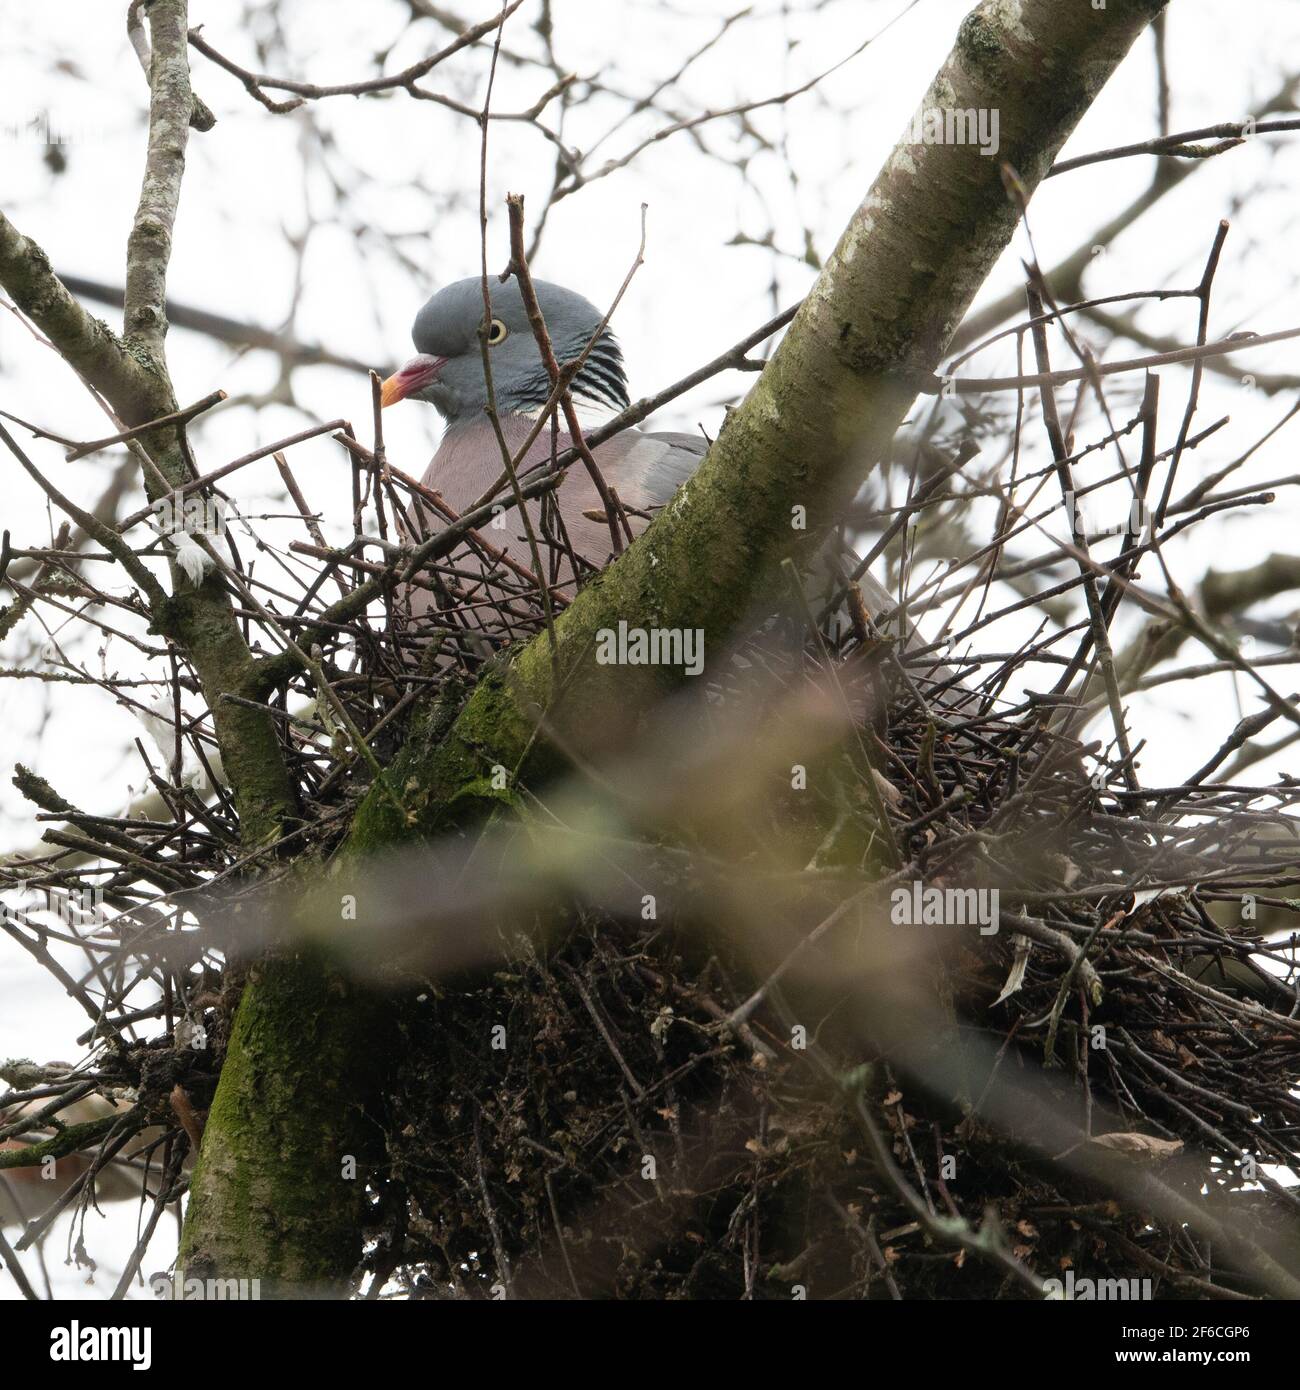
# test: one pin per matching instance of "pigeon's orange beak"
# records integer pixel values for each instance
(414, 376)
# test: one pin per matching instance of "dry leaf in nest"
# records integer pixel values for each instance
(887, 789)
(1144, 1146)
(1016, 975)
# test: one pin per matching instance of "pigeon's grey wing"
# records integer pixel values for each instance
(644, 469)
(677, 461)
(655, 466)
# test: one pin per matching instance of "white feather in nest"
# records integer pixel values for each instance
(159, 720)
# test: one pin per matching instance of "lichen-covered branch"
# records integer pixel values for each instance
(88, 344)
(149, 246)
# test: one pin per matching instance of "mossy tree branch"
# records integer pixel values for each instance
(69, 1140)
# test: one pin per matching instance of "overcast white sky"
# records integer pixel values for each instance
(408, 171)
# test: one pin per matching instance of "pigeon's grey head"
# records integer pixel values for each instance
(448, 372)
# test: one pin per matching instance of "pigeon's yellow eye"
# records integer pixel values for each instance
(497, 333)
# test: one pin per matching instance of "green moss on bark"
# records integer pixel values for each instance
(279, 1191)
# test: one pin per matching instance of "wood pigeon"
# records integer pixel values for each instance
(644, 469)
